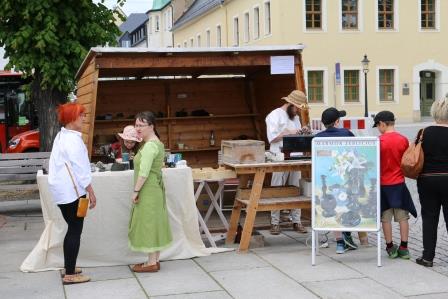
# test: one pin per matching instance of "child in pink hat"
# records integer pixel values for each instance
(128, 143)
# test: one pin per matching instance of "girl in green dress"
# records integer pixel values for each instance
(149, 229)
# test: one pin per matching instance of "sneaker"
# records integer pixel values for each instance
(403, 253)
(392, 251)
(350, 244)
(423, 262)
(275, 229)
(340, 248)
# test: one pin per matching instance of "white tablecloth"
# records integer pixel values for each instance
(104, 241)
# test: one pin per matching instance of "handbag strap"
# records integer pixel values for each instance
(420, 138)
(73, 181)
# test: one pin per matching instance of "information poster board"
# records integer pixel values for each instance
(345, 184)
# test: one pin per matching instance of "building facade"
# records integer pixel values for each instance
(160, 22)
(133, 31)
(405, 41)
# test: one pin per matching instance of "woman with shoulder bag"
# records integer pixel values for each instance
(69, 179)
(433, 179)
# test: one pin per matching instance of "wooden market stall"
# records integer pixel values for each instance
(194, 92)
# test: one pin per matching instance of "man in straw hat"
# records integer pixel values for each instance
(280, 122)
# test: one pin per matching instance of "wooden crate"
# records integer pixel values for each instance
(242, 151)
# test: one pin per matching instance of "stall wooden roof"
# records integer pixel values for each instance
(141, 62)
(103, 63)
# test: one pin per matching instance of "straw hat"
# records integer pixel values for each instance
(129, 133)
(298, 99)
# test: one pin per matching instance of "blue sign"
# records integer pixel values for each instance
(338, 73)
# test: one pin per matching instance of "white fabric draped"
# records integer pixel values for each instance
(104, 241)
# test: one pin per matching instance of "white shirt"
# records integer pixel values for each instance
(69, 148)
(277, 121)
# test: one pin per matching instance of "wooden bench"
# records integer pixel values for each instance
(18, 171)
(276, 198)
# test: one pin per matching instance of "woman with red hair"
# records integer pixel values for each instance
(69, 179)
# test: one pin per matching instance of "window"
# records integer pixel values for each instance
(386, 84)
(191, 42)
(157, 23)
(178, 45)
(236, 32)
(125, 43)
(428, 14)
(198, 40)
(207, 38)
(246, 27)
(351, 86)
(350, 18)
(150, 25)
(185, 44)
(267, 18)
(168, 20)
(313, 14)
(256, 22)
(385, 14)
(218, 36)
(315, 86)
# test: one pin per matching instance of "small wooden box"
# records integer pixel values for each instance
(242, 151)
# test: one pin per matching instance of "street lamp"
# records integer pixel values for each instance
(365, 69)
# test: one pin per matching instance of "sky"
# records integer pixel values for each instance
(131, 6)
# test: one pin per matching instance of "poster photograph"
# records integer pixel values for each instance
(345, 181)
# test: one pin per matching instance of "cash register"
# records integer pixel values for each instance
(297, 147)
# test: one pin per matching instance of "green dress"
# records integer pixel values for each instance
(149, 228)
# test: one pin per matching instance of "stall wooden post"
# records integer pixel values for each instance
(236, 212)
(251, 210)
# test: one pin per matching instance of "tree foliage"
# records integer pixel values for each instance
(53, 36)
(47, 41)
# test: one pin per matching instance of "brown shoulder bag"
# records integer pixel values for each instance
(413, 158)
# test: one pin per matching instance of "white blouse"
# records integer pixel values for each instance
(69, 148)
(276, 122)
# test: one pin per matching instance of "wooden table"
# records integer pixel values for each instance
(263, 199)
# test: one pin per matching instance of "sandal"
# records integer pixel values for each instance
(140, 268)
(77, 271)
(73, 279)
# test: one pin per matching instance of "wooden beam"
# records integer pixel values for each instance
(182, 61)
(300, 85)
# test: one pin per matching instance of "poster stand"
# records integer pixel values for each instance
(345, 187)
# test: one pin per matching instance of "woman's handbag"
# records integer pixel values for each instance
(83, 203)
(413, 158)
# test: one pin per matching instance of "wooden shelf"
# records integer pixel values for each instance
(195, 149)
(180, 118)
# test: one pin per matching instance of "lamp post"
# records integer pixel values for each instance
(365, 69)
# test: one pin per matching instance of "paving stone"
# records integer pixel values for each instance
(230, 261)
(42, 285)
(404, 276)
(108, 273)
(298, 266)
(205, 295)
(431, 296)
(121, 288)
(177, 277)
(351, 288)
(259, 283)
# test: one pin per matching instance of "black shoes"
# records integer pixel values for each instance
(424, 262)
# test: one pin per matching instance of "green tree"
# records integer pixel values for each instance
(47, 41)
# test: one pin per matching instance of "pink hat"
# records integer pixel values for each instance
(129, 133)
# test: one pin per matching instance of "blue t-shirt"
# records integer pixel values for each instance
(335, 132)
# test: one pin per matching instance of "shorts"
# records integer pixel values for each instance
(398, 214)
